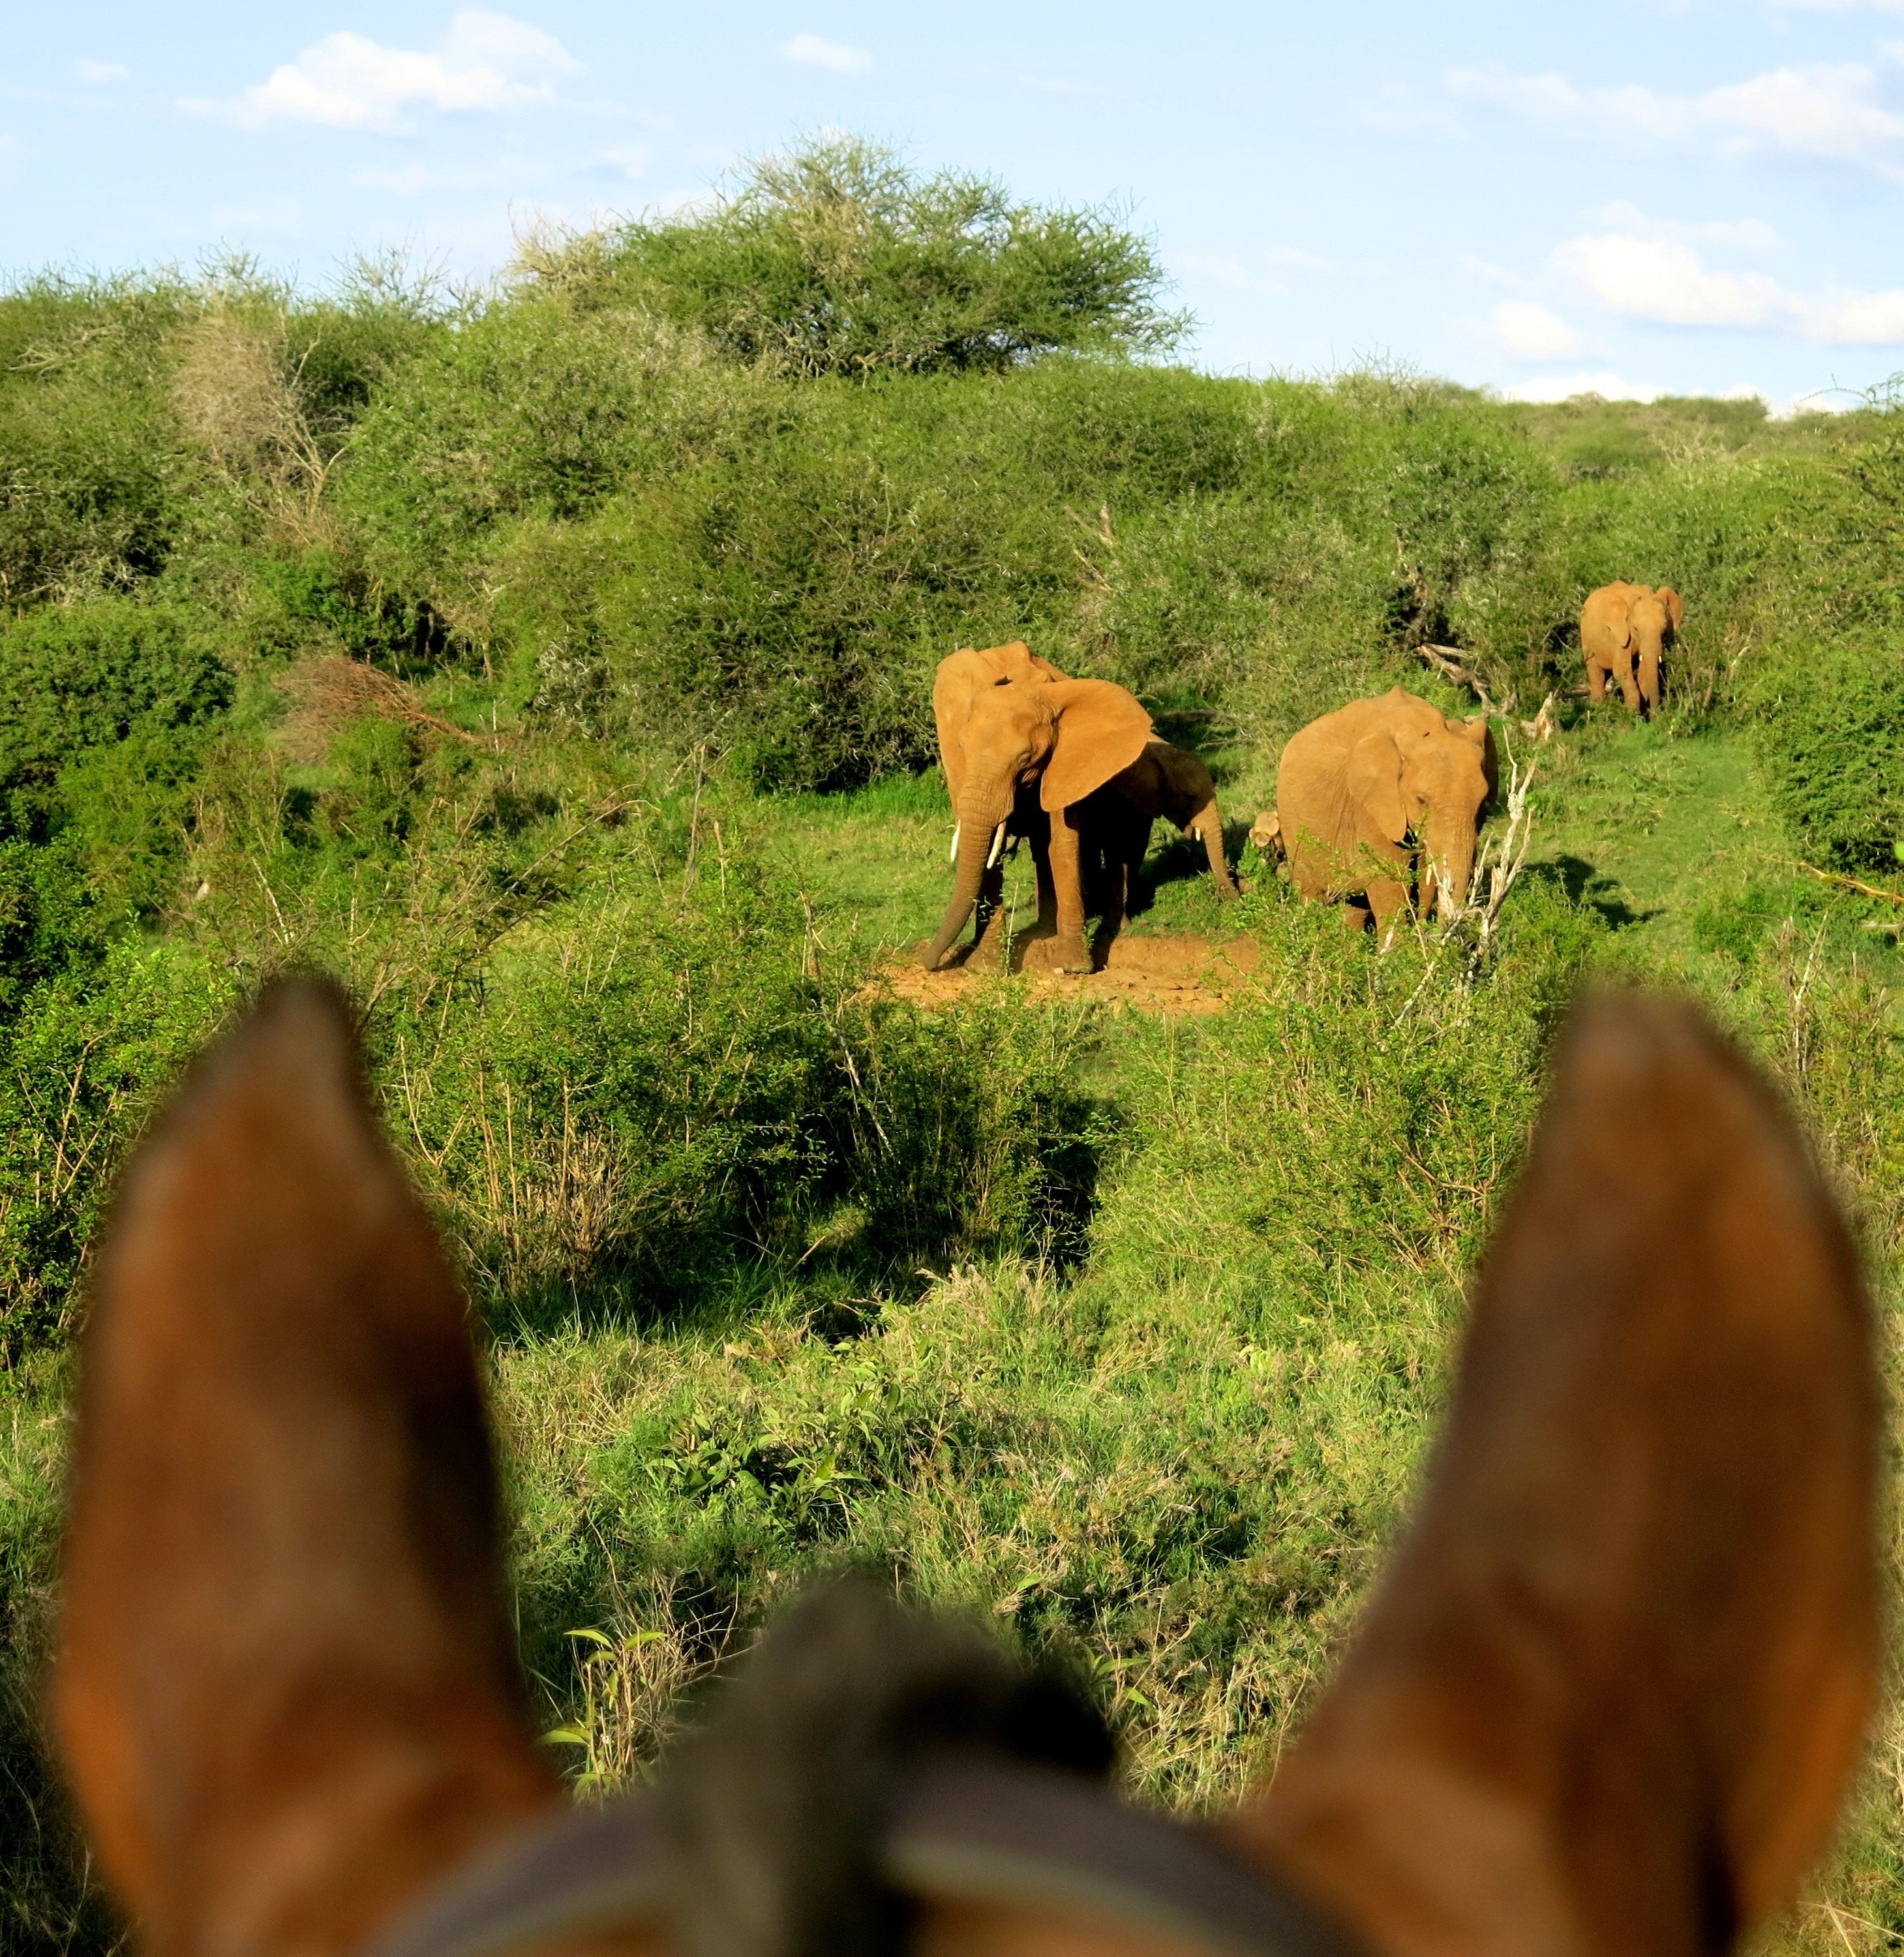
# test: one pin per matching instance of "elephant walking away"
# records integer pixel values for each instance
(1370, 792)
(1023, 748)
(1626, 630)
(1164, 780)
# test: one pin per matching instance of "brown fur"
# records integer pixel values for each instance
(1606, 1700)
(1610, 1692)
(287, 1687)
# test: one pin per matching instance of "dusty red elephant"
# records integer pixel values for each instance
(1362, 793)
(1073, 765)
(1626, 632)
(1604, 1704)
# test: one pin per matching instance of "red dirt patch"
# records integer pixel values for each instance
(1163, 974)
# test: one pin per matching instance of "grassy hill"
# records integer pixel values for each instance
(556, 670)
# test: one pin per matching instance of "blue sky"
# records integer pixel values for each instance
(1701, 196)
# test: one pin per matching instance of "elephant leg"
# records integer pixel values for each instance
(1071, 953)
(988, 947)
(1388, 901)
(1596, 678)
(1131, 847)
(1629, 686)
(1650, 687)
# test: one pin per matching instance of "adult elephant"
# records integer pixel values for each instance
(1360, 791)
(1625, 632)
(1164, 781)
(1022, 746)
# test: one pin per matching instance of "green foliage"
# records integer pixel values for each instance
(447, 646)
(86, 676)
(664, 1092)
(836, 258)
(1831, 733)
(86, 436)
(86, 1057)
(1177, 1465)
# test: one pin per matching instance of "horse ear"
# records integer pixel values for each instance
(286, 1686)
(1610, 1692)
(1102, 729)
(1675, 606)
(1375, 784)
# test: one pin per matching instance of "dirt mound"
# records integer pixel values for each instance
(1160, 974)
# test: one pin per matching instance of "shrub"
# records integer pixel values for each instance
(665, 1093)
(87, 676)
(836, 258)
(86, 436)
(88, 1056)
(1830, 733)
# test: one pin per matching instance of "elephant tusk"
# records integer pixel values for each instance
(997, 844)
(954, 857)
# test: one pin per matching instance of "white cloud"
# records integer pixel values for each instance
(416, 179)
(1661, 279)
(811, 52)
(1530, 332)
(629, 160)
(1853, 319)
(1564, 387)
(1490, 274)
(1665, 282)
(346, 81)
(1743, 234)
(1829, 110)
(1260, 271)
(99, 73)
(1818, 111)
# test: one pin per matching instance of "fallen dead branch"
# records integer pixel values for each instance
(327, 694)
(1852, 883)
(1447, 661)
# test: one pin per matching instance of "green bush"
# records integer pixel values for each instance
(86, 676)
(664, 1092)
(87, 436)
(836, 258)
(86, 1058)
(1830, 733)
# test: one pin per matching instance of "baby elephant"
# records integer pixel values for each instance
(1625, 630)
(1164, 780)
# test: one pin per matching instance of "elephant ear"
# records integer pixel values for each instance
(960, 675)
(1480, 730)
(1019, 664)
(1375, 784)
(1102, 729)
(1675, 606)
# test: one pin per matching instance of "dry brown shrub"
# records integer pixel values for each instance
(328, 692)
(236, 389)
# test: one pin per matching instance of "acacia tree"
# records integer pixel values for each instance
(837, 257)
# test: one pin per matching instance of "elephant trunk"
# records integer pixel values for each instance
(1649, 665)
(979, 823)
(1450, 868)
(1207, 823)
